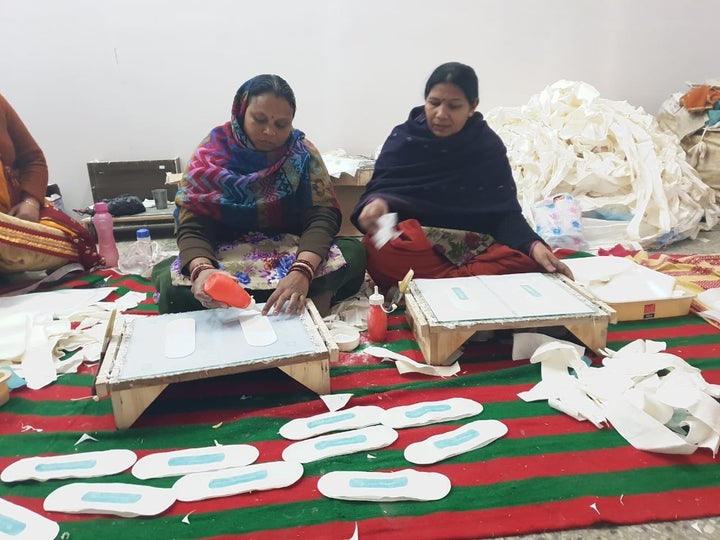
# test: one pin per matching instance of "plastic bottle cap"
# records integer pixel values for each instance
(376, 299)
(100, 207)
(142, 234)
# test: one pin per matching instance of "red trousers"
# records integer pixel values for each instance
(413, 250)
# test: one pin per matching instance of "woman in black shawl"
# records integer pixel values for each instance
(446, 175)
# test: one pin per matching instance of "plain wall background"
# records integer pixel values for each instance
(124, 80)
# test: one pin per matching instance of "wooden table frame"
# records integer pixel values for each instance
(130, 398)
(439, 340)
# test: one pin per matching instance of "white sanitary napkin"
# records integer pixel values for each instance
(430, 412)
(18, 522)
(226, 482)
(353, 418)
(405, 485)
(194, 460)
(458, 441)
(80, 465)
(125, 500)
(338, 444)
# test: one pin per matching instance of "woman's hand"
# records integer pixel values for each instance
(199, 291)
(545, 258)
(370, 214)
(293, 289)
(27, 209)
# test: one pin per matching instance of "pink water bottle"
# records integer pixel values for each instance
(377, 320)
(103, 223)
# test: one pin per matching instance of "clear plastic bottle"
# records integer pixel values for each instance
(103, 223)
(141, 256)
(377, 317)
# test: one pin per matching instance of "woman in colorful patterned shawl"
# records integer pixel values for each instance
(446, 175)
(34, 235)
(256, 201)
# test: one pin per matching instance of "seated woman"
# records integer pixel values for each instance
(256, 201)
(446, 175)
(34, 235)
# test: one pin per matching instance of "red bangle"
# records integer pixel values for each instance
(303, 270)
(199, 269)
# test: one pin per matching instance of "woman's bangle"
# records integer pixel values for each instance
(303, 270)
(196, 271)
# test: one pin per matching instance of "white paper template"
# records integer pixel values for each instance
(20, 523)
(343, 420)
(63, 302)
(338, 444)
(179, 338)
(430, 412)
(227, 482)
(124, 500)
(458, 441)
(405, 485)
(194, 460)
(80, 465)
(500, 297)
(258, 331)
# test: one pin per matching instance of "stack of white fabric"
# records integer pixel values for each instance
(631, 179)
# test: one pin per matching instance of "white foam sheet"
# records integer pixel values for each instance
(179, 338)
(194, 460)
(353, 418)
(227, 482)
(338, 444)
(430, 412)
(20, 523)
(80, 465)
(405, 485)
(258, 331)
(469, 437)
(125, 500)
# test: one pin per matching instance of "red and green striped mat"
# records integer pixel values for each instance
(549, 472)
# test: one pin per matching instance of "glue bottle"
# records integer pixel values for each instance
(103, 223)
(224, 288)
(377, 317)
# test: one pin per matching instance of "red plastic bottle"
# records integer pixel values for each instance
(103, 223)
(226, 289)
(377, 317)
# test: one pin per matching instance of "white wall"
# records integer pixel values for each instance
(147, 79)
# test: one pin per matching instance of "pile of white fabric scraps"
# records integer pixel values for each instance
(632, 180)
(655, 400)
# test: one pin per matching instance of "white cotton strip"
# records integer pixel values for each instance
(338, 444)
(125, 500)
(258, 331)
(180, 338)
(405, 485)
(458, 441)
(194, 460)
(430, 412)
(353, 418)
(80, 465)
(227, 482)
(19, 522)
(643, 431)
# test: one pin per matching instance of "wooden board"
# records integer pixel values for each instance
(132, 393)
(439, 340)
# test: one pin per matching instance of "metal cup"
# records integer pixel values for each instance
(160, 197)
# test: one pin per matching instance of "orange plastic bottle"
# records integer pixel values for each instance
(226, 289)
(377, 317)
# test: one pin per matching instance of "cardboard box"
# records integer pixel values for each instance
(654, 309)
